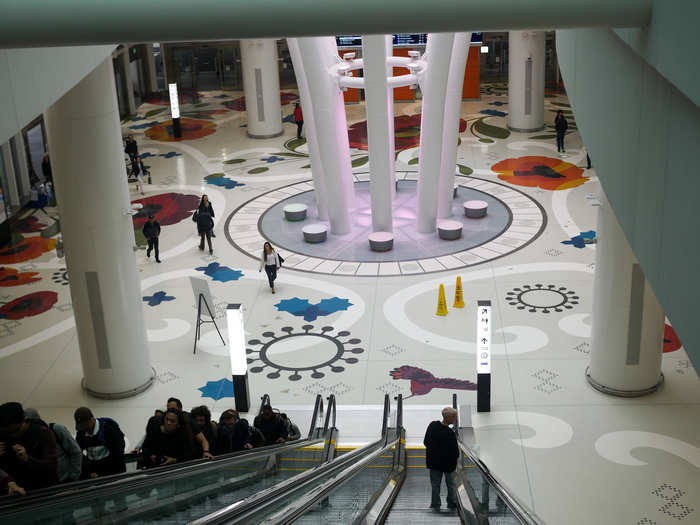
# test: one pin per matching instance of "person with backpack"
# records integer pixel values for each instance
(205, 227)
(206, 207)
(103, 441)
(70, 457)
(27, 449)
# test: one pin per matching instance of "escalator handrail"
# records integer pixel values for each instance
(399, 415)
(290, 513)
(234, 510)
(76, 493)
(331, 409)
(522, 513)
(318, 409)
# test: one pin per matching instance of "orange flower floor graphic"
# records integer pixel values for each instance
(544, 172)
(29, 248)
(191, 129)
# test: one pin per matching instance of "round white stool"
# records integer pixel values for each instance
(449, 230)
(381, 241)
(475, 209)
(315, 233)
(295, 212)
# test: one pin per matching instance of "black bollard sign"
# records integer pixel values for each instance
(175, 110)
(483, 356)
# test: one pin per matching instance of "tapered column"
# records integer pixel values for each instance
(85, 144)
(380, 117)
(450, 132)
(439, 51)
(261, 84)
(628, 322)
(319, 56)
(309, 129)
(526, 80)
(128, 81)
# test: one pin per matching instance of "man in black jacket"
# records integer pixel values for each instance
(271, 426)
(27, 449)
(233, 433)
(441, 455)
(103, 441)
(151, 230)
(131, 149)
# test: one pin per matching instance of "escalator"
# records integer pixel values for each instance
(388, 483)
(178, 493)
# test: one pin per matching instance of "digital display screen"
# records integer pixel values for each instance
(402, 39)
(349, 41)
(477, 38)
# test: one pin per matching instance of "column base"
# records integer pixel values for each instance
(622, 393)
(121, 395)
(271, 136)
(522, 130)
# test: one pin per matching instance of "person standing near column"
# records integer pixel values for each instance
(151, 230)
(271, 260)
(441, 455)
(298, 118)
(561, 125)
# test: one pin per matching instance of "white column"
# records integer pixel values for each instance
(14, 200)
(450, 131)
(390, 96)
(128, 81)
(309, 129)
(85, 144)
(439, 51)
(319, 54)
(261, 84)
(526, 80)
(628, 321)
(380, 115)
(151, 68)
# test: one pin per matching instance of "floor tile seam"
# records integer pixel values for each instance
(371, 332)
(53, 364)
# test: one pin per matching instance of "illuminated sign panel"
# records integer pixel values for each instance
(236, 340)
(483, 337)
(174, 102)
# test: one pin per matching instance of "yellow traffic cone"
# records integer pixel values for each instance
(442, 304)
(459, 298)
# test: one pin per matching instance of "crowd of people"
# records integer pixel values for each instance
(35, 454)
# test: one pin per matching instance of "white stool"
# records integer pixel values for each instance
(475, 209)
(449, 230)
(315, 233)
(381, 241)
(295, 212)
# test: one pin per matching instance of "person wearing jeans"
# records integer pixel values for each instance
(441, 455)
(271, 261)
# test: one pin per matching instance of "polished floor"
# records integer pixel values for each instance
(360, 328)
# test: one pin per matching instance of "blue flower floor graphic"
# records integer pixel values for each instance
(217, 389)
(493, 112)
(144, 125)
(157, 298)
(220, 273)
(224, 182)
(309, 311)
(272, 158)
(582, 239)
(289, 118)
(498, 103)
(167, 155)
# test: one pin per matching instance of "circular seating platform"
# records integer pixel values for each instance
(449, 230)
(381, 241)
(315, 233)
(475, 209)
(295, 212)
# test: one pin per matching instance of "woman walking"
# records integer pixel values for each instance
(206, 207)
(271, 260)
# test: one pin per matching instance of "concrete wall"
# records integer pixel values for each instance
(33, 79)
(643, 136)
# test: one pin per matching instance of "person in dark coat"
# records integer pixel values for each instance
(27, 449)
(200, 440)
(131, 148)
(205, 225)
(205, 206)
(232, 433)
(46, 168)
(171, 442)
(441, 455)
(70, 457)
(271, 426)
(560, 125)
(201, 419)
(103, 443)
(151, 230)
(298, 118)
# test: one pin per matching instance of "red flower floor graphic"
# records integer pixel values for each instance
(406, 132)
(12, 277)
(167, 208)
(239, 103)
(28, 305)
(671, 341)
(191, 129)
(422, 381)
(29, 248)
(544, 172)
